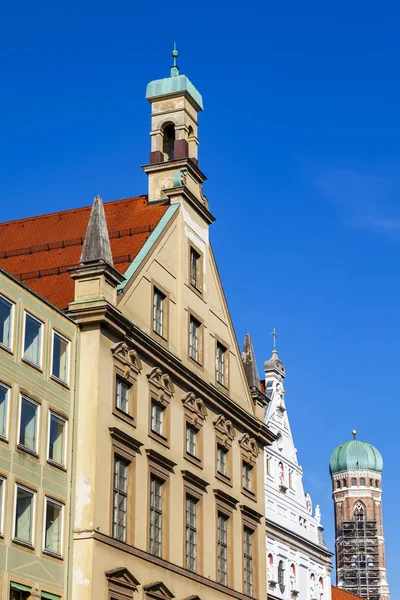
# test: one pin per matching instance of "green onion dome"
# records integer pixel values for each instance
(355, 455)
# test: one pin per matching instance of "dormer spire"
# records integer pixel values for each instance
(96, 247)
(174, 70)
(250, 364)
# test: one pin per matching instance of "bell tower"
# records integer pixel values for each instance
(175, 106)
(356, 472)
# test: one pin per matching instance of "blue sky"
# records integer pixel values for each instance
(300, 143)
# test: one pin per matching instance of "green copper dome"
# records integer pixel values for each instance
(355, 456)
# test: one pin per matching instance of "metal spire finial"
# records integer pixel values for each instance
(273, 333)
(174, 69)
(354, 432)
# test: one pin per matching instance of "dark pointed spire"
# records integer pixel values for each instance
(250, 364)
(96, 246)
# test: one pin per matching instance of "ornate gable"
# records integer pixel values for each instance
(127, 360)
(161, 386)
(225, 431)
(121, 583)
(249, 448)
(195, 410)
(158, 590)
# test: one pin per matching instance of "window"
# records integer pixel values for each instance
(268, 465)
(57, 439)
(344, 483)
(2, 492)
(33, 340)
(194, 339)
(362, 481)
(191, 534)
(122, 394)
(19, 591)
(191, 440)
(6, 318)
(371, 483)
(60, 362)
(159, 312)
(246, 476)
(268, 388)
(156, 497)
(24, 511)
(222, 549)
(53, 527)
(157, 417)
(195, 266)
(291, 479)
(28, 424)
(120, 499)
(248, 561)
(376, 483)
(220, 364)
(359, 514)
(169, 141)
(4, 396)
(281, 576)
(354, 481)
(292, 577)
(222, 458)
(338, 484)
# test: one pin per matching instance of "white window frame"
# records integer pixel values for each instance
(160, 409)
(48, 499)
(119, 380)
(2, 501)
(34, 493)
(60, 335)
(51, 460)
(7, 387)
(10, 348)
(25, 448)
(191, 441)
(26, 313)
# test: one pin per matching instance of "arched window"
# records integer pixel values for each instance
(279, 442)
(312, 587)
(281, 474)
(292, 577)
(344, 483)
(354, 481)
(376, 483)
(320, 588)
(371, 483)
(359, 512)
(270, 568)
(281, 576)
(362, 481)
(169, 141)
(192, 143)
(338, 484)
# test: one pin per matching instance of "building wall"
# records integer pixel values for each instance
(19, 563)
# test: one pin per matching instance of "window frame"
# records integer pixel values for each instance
(20, 446)
(15, 539)
(196, 284)
(27, 313)
(154, 510)
(225, 546)
(51, 461)
(8, 388)
(225, 453)
(7, 300)
(248, 559)
(281, 576)
(123, 381)
(224, 381)
(65, 383)
(51, 500)
(158, 289)
(159, 410)
(3, 497)
(189, 498)
(117, 457)
(199, 359)
(192, 430)
(250, 471)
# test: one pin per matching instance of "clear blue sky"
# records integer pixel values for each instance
(300, 142)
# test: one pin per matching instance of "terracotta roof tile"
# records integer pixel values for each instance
(39, 250)
(338, 594)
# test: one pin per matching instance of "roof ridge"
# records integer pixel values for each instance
(68, 210)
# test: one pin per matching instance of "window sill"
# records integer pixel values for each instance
(27, 545)
(27, 451)
(7, 349)
(249, 494)
(49, 553)
(56, 465)
(193, 459)
(196, 290)
(224, 478)
(159, 438)
(64, 384)
(4, 440)
(32, 365)
(222, 386)
(197, 363)
(160, 337)
(120, 414)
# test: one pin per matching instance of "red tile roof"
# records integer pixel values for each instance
(39, 250)
(338, 594)
(262, 385)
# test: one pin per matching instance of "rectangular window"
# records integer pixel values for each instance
(222, 549)
(248, 561)
(191, 440)
(268, 388)
(268, 465)
(291, 480)
(157, 417)
(4, 399)
(19, 591)
(194, 339)
(156, 499)
(28, 424)
(6, 319)
(2, 492)
(122, 394)
(53, 527)
(60, 362)
(222, 456)
(191, 534)
(120, 499)
(33, 340)
(246, 476)
(220, 366)
(159, 312)
(195, 274)
(24, 511)
(57, 438)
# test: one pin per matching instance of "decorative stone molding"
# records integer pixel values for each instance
(294, 593)
(158, 591)
(195, 410)
(161, 386)
(127, 361)
(121, 584)
(249, 448)
(224, 430)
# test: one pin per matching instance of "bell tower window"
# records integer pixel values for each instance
(169, 141)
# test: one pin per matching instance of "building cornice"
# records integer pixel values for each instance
(295, 541)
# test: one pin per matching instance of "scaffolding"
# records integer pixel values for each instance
(359, 557)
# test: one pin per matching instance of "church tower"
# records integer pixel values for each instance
(356, 471)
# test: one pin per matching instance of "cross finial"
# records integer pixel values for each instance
(174, 68)
(273, 333)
